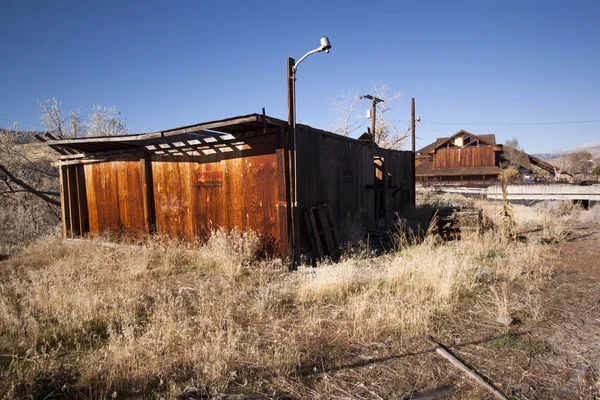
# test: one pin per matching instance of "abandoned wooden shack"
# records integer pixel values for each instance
(235, 172)
(465, 158)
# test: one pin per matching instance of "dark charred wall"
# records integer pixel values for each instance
(341, 172)
(401, 185)
(483, 156)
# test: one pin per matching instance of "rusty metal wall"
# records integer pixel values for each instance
(239, 188)
(115, 196)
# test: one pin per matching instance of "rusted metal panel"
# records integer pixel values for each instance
(115, 196)
(234, 189)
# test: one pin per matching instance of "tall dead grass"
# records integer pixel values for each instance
(155, 319)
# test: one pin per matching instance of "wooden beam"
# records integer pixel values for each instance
(72, 201)
(81, 200)
(148, 197)
(211, 125)
(458, 364)
(64, 204)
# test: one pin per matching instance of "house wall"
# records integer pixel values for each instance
(420, 160)
(464, 157)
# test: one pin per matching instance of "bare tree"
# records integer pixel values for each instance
(578, 163)
(106, 122)
(345, 106)
(387, 132)
(561, 166)
(596, 171)
(70, 126)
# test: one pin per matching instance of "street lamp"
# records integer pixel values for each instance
(293, 213)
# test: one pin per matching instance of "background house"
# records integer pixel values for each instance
(465, 158)
(459, 159)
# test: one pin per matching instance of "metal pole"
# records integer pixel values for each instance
(291, 179)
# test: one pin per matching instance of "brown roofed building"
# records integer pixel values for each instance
(465, 158)
(459, 159)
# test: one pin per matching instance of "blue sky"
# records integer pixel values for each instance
(166, 64)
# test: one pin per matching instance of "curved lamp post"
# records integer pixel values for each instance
(293, 213)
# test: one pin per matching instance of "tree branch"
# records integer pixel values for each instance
(29, 188)
(49, 193)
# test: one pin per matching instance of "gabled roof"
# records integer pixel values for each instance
(425, 150)
(489, 139)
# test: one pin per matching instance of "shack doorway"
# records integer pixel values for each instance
(381, 188)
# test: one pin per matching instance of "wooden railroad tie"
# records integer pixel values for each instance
(321, 231)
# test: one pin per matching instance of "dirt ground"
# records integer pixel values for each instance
(551, 352)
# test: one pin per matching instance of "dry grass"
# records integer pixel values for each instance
(155, 319)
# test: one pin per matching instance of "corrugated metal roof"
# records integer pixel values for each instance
(202, 133)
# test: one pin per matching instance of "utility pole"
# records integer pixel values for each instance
(414, 150)
(412, 123)
(374, 101)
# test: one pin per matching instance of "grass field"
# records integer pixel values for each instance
(82, 319)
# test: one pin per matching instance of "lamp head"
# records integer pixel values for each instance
(325, 45)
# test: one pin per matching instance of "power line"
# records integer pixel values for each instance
(21, 122)
(357, 128)
(514, 123)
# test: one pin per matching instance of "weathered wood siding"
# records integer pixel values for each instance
(340, 172)
(239, 188)
(115, 192)
(400, 165)
(464, 157)
(73, 201)
(421, 160)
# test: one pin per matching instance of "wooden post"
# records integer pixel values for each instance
(148, 199)
(373, 111)
(64, 203)
(374, 101)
